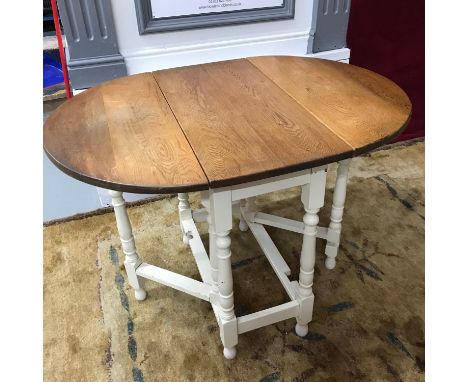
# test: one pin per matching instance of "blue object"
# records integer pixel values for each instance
(52, 71)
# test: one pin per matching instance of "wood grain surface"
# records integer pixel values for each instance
(223, 123)
(122, 135)
(360, 106)
(242, 126)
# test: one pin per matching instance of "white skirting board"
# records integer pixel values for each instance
(289, 45)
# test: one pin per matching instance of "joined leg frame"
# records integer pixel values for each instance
(184, 212)
(216, 287)
(334, 229)
(313, 196)
(132, 261)
(220, 213)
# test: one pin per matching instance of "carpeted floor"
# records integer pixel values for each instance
(368, 322)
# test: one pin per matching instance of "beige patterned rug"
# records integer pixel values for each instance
(368, 322)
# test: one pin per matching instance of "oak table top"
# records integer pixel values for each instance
(224, 123)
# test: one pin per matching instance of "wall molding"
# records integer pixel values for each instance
(218, 44)
(293, 44)
(148, 24)
(192, 54)
(330, 25)
(92, 52)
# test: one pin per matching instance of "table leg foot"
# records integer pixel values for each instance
(140, 294)
(330, 263)
(230, 353)
(243, 225)
(302, 330)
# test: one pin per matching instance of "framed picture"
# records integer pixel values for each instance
(171, 15)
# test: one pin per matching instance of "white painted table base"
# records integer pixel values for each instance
(217, 287)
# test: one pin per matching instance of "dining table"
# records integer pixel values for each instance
(231, 130)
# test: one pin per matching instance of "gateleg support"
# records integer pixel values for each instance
(184, 213)
(334, 229)
(243, 226)
(132, 260)
(306, 308)
(229, 337)
(313, 198)
(205, 200)
(220, 212)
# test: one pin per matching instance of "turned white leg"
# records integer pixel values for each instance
(250, 206)
(184, 212)
(334, 229)
(132, 261)
(205, 199)
(313, 196)
(243, 226)
(221, 219)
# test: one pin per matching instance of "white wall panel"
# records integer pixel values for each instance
(171, 49)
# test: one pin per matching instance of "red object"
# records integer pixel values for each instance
(63, 61)
(388, 37)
